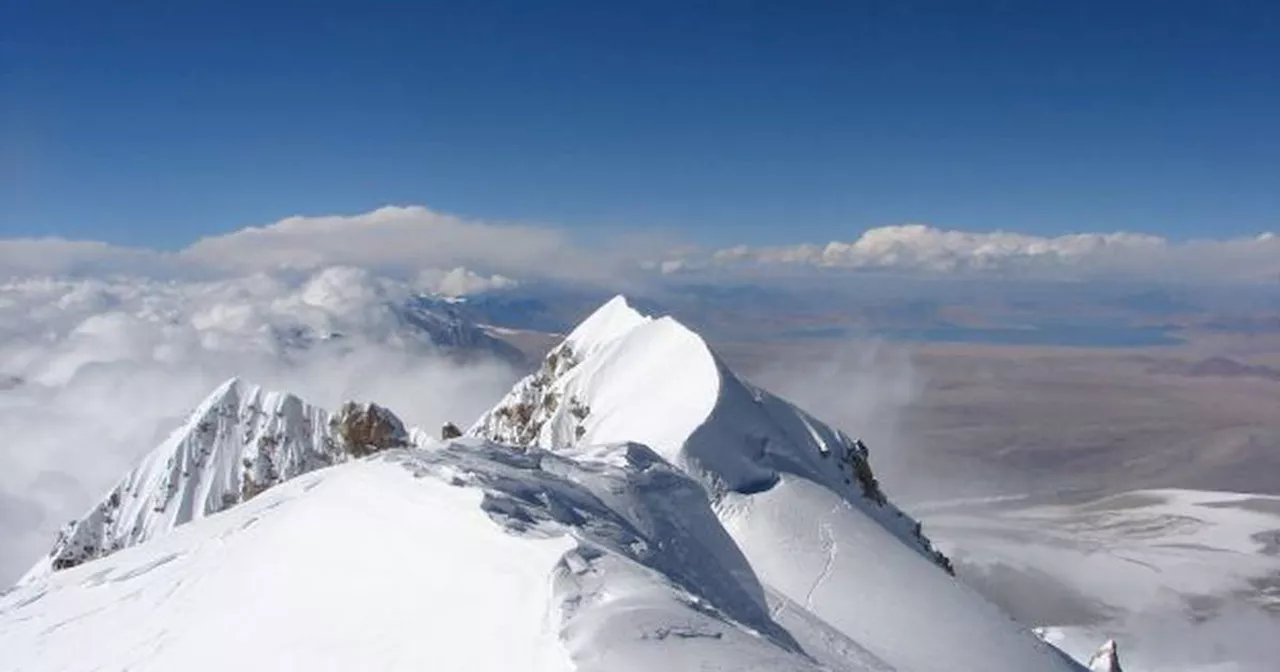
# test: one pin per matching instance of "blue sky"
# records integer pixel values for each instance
(726, 122)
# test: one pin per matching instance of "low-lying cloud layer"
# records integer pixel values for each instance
(916, 248)
(402, 241)
(96, 371)
(393, 241)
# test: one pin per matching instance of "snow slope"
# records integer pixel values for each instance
(1183, 579)
(817, 549)
(797, 496)
(623, 376)
(461, 557)
(237, 443)
(1136, 551)
(747, 535)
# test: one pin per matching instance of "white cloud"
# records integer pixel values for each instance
(21, 257)
(461, 282)
(402, 241)
(456, 256)
(394, 241)
(916, 248)
(107, 366)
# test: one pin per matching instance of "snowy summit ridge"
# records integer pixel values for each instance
(620, 371)
(632, 505)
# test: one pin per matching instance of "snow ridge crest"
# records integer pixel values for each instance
(241, 440)
(623, 376)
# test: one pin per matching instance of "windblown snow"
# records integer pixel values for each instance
(632, 505)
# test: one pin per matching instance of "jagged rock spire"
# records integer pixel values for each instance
(1107, 659)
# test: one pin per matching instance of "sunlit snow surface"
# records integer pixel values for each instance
(784, 487)
(737, 538)
(465, 557)
(230, 441)
(1184, 579)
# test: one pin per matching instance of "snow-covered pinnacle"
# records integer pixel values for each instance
(1107, 659)
(240, 441)
(623, 376)
(609, 322)
(746, 535)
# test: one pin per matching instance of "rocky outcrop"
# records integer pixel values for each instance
(365, 429)
(1107, 659)
(534, 402)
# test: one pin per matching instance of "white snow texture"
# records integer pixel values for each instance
(632, 505)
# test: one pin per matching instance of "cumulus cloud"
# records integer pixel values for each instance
(915, 248)
(402, 241)
(393, 241)
(97, 370)
(455, 256)
(461, 282)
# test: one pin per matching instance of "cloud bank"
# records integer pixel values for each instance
(401, 242)
(96, 371)
(923, 249)
(103, 348)
(469, 255)
(461, 281)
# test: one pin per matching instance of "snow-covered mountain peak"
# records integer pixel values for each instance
(623, 376)
(746, 534)
(632, 505)
(797, 496)
(241, 440)
(608, 323)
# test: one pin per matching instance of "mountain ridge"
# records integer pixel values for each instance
(659, 509)
(241, 440)
(733, 435)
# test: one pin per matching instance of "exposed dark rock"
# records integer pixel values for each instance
(366, 429)
(1107, 659)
